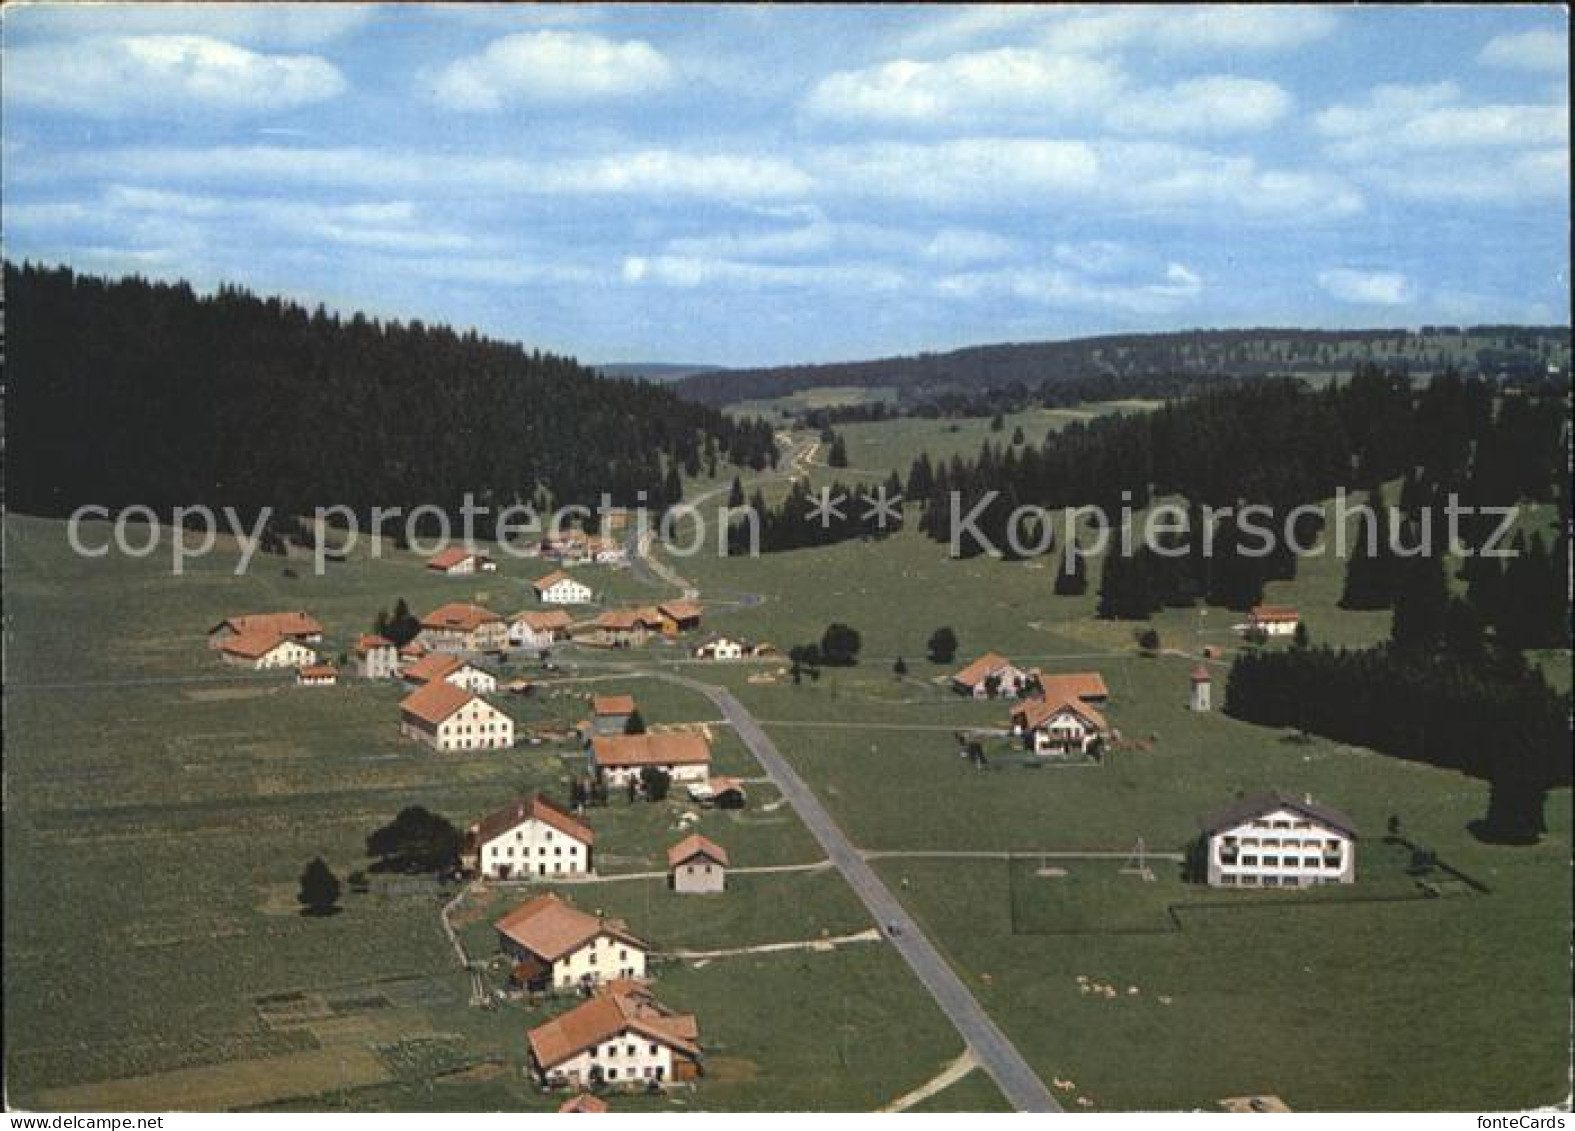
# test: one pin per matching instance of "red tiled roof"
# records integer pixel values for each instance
(670, 748)
(456, 615)
(981, 669)
(281, 624)
(535, 807)
(1201, 674)
(451, 557)
(1273, 613)
(434, 665)
(608, 1015)
(1073, 685)
(582, 1104)
(436, 701)
(550, 928)
(541, 584)
(680, 610)
(318, 671)
(371, 641)
(1036, 712)
(612, 705)
(624, 619)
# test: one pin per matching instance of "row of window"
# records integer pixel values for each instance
(1284, 861)
(541, 850)
(1251, 881)
(612, 1050)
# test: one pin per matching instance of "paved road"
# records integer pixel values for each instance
(1018, 1083)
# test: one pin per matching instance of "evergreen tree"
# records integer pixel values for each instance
(319, 894)
(1071, 578)
(839, 453)
(1370, 569)
(1421, 604)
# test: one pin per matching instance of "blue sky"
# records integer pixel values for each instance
(750, 185)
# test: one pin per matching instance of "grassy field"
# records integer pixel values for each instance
(160, 806)
(1380, 1004)
(829, 396)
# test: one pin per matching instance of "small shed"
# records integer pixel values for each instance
(697, 866)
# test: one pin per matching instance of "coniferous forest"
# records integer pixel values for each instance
(122, 392)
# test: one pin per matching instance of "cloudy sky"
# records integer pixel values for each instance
(763, 184)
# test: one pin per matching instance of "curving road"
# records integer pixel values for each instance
(998, 1056)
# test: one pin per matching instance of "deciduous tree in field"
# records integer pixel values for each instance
(942, 646)
(839, 646)
(415, 841)
(655, 783)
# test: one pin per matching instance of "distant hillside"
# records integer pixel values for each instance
(660, 372)
(1499, 351)
(128, 391)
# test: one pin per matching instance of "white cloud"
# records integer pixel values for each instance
(654, 173)
(1189, 30)
(551, 66)
(1434, 117)
(1366, 288)
(966, 245)
(1540, 50)
(1173, 29)
(689, 272)
(193, 220)
(1169, 182)
(1216, 104)
(1532, 175)
(1096, 257)
(1029, 89)
(277, 25)
(1177, 286)
(960, 171)
(164, 74)
(971, 87)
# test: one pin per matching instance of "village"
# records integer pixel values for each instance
(613, 1032)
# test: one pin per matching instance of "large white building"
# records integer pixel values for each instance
(558, 588)
(261, 651)
(538, 629)
(1273, 840)
(298, 626)
(376, 657)
(683, 756)
(559, 947)
(447, 718)
(1065, 728)
(459, 627)
(532, 837)
(621, 1038)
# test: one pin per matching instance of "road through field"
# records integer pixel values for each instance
(998, 1056)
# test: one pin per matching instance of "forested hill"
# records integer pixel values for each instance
(1155, 364)
(128, 391)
